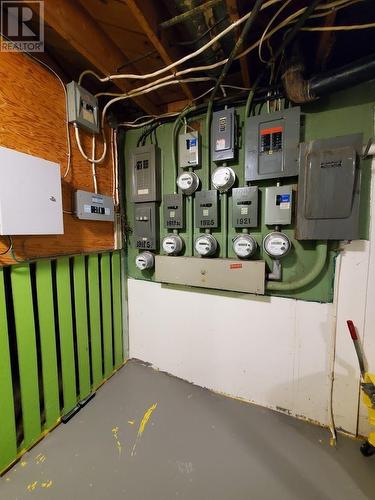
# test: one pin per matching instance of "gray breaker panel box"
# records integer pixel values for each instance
(221, 274)
(173, 207)
(93, 206)
(278, 205)
(222, 135)
(245, 207)
(145, 173)
(146, 226)
(206, 209)
(189, 149)
(271, 145)
(82, 108)
(329, 189)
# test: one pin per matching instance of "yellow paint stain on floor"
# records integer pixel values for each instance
(40, 458)
(115, 432)
(23, 464)
(142, 425)
(32, 486)
(47, 484)
(131, 422)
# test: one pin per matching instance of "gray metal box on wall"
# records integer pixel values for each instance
(93, 206)
(83, 109)
(222, 135)
(278, 205)
(329, 189)
(173, 209)
(206, 209)
(146, 226)
(245, 207)
(145, 173)
(271, 145)
(189, 149)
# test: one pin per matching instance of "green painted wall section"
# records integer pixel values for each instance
(343, 113)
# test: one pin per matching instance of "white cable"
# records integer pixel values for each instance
(91, 160)
(285, 4)
(93, 165)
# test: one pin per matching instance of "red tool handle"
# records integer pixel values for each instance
(352, 330)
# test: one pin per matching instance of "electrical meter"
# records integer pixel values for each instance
(244, 246)
(188, 182)
(276, 245)
(145, 260)
(172, 244)
(223, 178)
(205, 245)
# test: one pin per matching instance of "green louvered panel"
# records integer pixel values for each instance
(8, 438)
(116, 308)
(105, 274)
(94, 312)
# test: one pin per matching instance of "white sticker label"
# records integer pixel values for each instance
(284, 206)
(244, 210)
(172, 214)
(205, 212)
(220, 144)
(87, 209)
(142, 191)
(107, 211)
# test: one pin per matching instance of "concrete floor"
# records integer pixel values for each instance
(195, 445)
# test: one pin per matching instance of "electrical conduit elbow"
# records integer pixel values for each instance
(289, 286)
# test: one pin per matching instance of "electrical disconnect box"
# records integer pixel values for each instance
(83, 109)
(30, 195)
(206, 209)
(278, 205)
(145, 173)
(146, 226)
(329, 189)
(271, 149)
(173, 211)
(245, 206)
(189, 149)
(223, 135)
(93, 206)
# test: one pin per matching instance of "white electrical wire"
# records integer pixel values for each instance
(93, 165)
(340, 28)
(285, 4)
(90, 160)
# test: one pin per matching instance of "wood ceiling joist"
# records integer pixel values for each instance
(233, 16)
(147, 17)
(75, 25)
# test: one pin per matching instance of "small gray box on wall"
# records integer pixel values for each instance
(173, 211)
(245, 207)
(278, 205)
(206, 210)
(146, 226)
(145, 173)
(222, 135)
(83, 109)
(329, 189)
(189, 149)
(271, 145)
(93, 206)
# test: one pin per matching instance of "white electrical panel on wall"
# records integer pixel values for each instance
(30, 195)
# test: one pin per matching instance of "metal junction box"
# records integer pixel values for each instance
(146, 226)
(206, 209)
(223, 135)
(83, 108)
(271, 149)
(245, 207)
(221, 274)
(93, 206)
(145, 173)
(189, 149)
(30, 195)
(278, 205)
(173, 211)
(329, 189)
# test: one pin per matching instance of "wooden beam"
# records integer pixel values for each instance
(232, 8)
(146, 14)
(74, 24)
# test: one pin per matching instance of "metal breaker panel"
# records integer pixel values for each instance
(173, 209)
(223, 135)
(245, 207)
(206, 209)
(271, 145)
(278, 205)
(146, 226)
(189, 149)
(145, 173)
(83, 109)
(93, 206)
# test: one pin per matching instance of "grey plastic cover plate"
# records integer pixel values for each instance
(221, 274)
(145, 173)
(222, 135)
(93, 206)
(173, 211)
(271, 145)
(206, 209)
(329, 189)
(82, 108)
(189, 149)
(245, 206)
(278, 205)
(146, 226)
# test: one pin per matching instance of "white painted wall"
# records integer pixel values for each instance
(275, 352)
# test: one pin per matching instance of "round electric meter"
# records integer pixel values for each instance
(205, 245)
(223, 178)
(188, 182)
(276, 245)
(172, 244)
(244, 246)
(145, 260)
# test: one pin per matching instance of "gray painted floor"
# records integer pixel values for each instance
(195, 445)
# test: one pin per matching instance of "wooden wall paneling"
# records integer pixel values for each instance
(32, 120)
